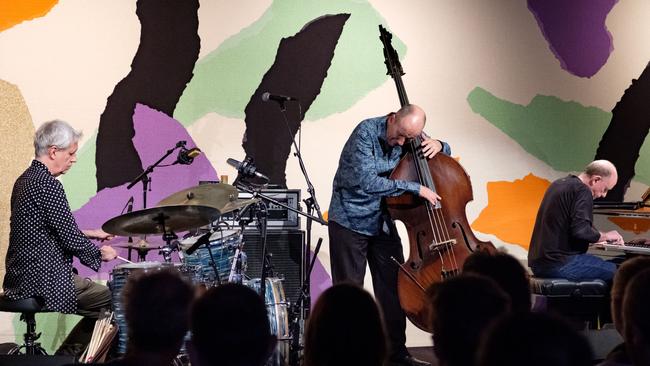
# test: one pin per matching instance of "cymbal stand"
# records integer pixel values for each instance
(168, 237)
(267, 268)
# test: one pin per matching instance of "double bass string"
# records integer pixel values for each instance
(435, 216)
(436, 220)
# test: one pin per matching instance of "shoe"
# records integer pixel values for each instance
(408, 360)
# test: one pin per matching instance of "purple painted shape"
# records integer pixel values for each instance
(155, 133)
(320, 281)
(576, 32)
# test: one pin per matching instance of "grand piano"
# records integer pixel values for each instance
(628, 215)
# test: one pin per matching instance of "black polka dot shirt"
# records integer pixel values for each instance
(43, 239)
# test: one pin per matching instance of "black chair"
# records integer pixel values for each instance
(28, 309)
(580, 301)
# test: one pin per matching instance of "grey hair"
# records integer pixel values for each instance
(604, 168)
(54, 133)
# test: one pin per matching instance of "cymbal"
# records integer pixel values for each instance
(238, 205)
(215, 195)
(150, 220)
(136, 247)
(142, 245)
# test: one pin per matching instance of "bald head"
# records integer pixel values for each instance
(604, 168)
(406, 124)
(600, 176)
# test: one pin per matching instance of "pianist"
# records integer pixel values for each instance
(564, 227)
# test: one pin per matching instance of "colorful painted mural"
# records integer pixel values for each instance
(524, 92)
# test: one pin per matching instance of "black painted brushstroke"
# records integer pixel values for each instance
(626, 133)
(161, 68)
(299, 70)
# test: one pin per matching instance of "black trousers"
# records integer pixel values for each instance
(349, 253)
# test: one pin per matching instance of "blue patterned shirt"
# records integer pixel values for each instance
(361, 179)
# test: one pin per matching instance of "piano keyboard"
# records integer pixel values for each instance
(632, 248)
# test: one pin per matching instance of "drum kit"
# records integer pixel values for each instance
(211, 254)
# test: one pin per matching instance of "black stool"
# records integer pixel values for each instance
(28, 309)
(583, 300)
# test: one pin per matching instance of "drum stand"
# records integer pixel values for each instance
(168, 237)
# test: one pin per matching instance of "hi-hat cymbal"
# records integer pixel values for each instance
(136, 247)
(151, 220)
(215, 195)
(141, 246)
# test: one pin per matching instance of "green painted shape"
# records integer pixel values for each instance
(226, 78)
(54, 327)
(79, 182)
(563, 134)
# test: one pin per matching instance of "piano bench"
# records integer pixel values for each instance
(584, 301)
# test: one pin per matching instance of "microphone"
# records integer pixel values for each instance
(204, 239)
(246, 168)
(186, 157)
(277, 97)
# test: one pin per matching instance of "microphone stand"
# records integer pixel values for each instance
(144, 176)
(146, 186)
(300, 310)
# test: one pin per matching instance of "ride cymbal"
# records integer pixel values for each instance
(158, 220)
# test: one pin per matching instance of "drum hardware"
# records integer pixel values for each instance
(142, 248)
(218, 255)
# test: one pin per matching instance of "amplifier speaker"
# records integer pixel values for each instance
(25, 360)
(287, 247)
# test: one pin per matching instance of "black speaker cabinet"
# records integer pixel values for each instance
(287, 247)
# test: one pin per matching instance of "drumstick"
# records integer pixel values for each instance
(124, 259)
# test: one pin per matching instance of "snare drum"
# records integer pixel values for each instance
(278, 313)
(221, 248)
(120, 276)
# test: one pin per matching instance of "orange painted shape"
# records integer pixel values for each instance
(512, 208)
(14, 12)
(634, 224)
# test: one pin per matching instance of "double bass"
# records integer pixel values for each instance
(440, 238)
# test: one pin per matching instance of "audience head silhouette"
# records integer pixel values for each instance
(622, 278)
(507, 272)
(157, 308)
(533, 339)
(345, 328)
(230, 327)
(636, 318)
(461, 308)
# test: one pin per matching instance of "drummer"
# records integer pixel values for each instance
(44, 236)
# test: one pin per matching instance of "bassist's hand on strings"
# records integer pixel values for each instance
(430, 147)
(429, 195)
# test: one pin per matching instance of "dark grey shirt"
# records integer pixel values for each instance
(564, 224)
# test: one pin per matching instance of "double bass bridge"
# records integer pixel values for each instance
(441, 246)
